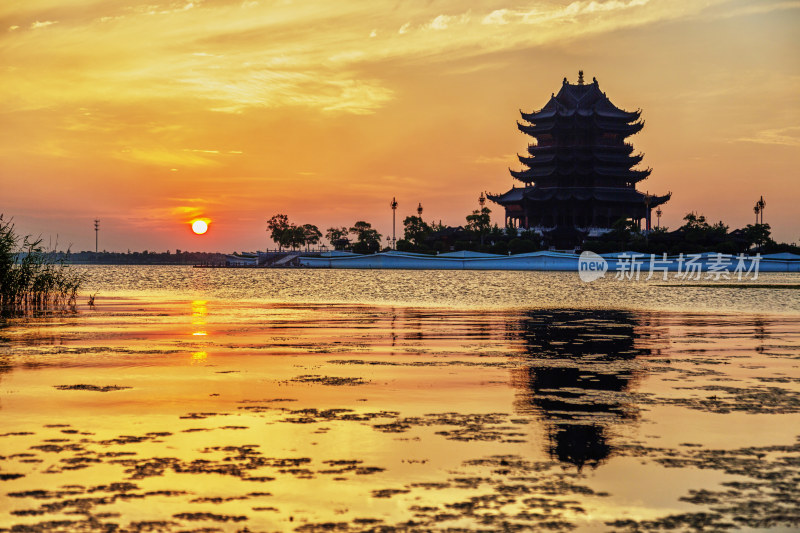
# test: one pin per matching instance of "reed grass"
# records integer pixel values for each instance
(31, 277)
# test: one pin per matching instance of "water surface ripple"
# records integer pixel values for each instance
(232, 400)
(770, 293)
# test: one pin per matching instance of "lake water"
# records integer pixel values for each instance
(453, 289)
(329, 400)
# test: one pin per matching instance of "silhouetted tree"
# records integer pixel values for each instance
(369, 240)
(518, 245)
(416, 230)
(624, 231)
(311, 234)
(698, 231)
(277, 226)
(479, 222)
(757, 234)
(510, 230)
(293, 237)
(338, 237)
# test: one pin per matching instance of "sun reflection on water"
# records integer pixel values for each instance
(199, 314)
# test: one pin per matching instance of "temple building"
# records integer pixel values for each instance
(578, 177)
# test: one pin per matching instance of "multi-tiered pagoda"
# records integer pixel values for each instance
(579, 177)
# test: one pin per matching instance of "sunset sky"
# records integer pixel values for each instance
(149, 114)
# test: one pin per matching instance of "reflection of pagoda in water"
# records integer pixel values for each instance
(581, 367)
(578, 178)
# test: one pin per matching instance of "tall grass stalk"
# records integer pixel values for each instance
(31, 278)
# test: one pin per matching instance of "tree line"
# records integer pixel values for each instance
(147, 257)
(361, 237)
(696, 235)
(478, 234)
(366, 240)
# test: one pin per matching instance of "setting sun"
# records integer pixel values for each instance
(199, 226)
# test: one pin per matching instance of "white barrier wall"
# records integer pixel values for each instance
(623, 261)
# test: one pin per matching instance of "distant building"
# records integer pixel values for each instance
(243, 259)
(578, 178)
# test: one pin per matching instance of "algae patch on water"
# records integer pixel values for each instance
(95, 388)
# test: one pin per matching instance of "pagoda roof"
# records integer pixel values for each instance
(618, 158)
(530, 174)
(581, 99)
(540, 127)
(604, 157)
(617, 148)
(603, 194)
(513, 196)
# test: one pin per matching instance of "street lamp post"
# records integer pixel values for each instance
(658, 216)
(394, 216)
(96, 232)
(759, 210)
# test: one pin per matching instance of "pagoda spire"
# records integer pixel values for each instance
(580, 77)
